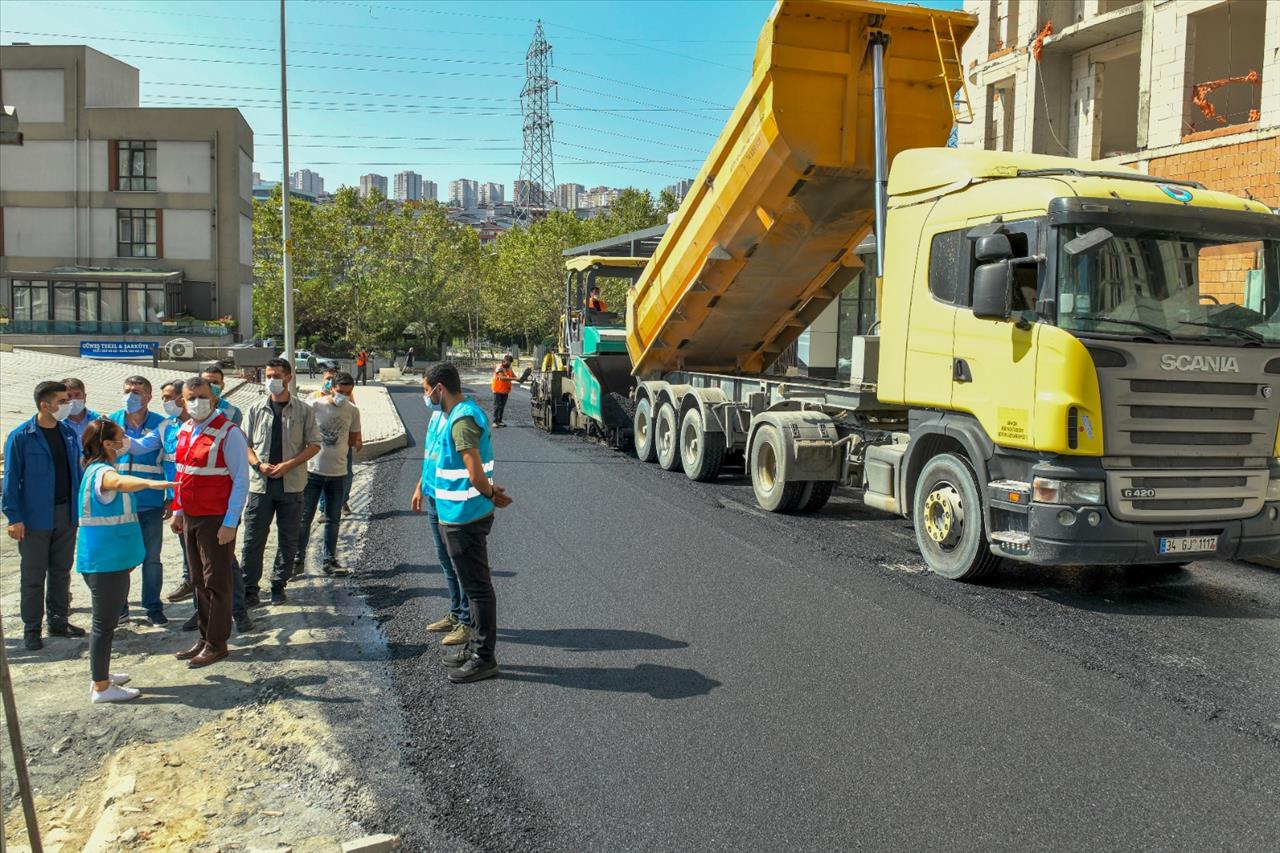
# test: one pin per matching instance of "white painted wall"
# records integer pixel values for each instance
(36, 92)
(188, 235)
(38, 165)
(246, 240)
(183, 167)
(102, 232)
(39, 232)
(108, 82)
(94, 166)
(246, 176)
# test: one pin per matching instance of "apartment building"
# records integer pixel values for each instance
(570, 196)
(464, 193)
(307, 182)
(491, 194)
(119, 221)
(1185, 89)
(371, 182)
(408, 186)
(430, 190)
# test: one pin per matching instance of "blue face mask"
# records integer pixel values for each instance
(328, 383)
(431, 407)
(133, 403)
(217, 391)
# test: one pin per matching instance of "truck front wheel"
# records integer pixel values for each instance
(948, 519)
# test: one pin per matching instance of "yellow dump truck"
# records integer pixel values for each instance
(1075, 363)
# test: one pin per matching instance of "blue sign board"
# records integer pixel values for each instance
(118, 349)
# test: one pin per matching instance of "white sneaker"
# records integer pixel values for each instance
(120, 678)
(114, 693)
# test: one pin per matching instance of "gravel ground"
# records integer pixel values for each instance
(681, 670)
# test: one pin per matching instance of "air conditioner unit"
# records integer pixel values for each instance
(180, 349)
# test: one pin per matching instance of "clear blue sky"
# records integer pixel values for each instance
(644, 87)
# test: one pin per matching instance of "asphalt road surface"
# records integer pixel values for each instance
(681, 671)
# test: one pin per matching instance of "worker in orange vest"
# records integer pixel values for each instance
(594, 301)
(502, 376)
(362, 367)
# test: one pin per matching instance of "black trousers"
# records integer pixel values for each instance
(46, 558)
(499, 406)
(108, 591)
(468, 547)
(362, 374)
(285, 508)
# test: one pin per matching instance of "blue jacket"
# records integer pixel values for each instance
(145, 465)
(28, 475)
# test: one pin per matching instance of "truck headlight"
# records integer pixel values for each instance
(1071, 492)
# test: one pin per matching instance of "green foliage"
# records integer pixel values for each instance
(368, 272)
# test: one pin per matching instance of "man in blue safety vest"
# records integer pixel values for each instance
(465, 501)
(138, 420)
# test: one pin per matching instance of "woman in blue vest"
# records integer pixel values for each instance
(457, 622)
(109, 547)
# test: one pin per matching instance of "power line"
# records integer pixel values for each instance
(321, 67)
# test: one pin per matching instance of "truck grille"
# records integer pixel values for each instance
(1186, 448)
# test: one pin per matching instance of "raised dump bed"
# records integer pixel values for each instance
(764, 240)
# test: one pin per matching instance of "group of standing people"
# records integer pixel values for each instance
(94, 492)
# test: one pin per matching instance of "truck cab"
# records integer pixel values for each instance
(1094, 365)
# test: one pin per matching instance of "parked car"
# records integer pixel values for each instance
(300, 360)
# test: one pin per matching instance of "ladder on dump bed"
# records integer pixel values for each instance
(952, 71)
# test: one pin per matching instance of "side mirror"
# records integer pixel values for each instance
(992, 291)
(994, 247)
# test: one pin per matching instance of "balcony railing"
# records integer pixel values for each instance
(75, 327)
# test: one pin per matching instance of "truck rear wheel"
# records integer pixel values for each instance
(948, 519)
(769, 475)
(815, 496)
(666, 437)
(646, 448)
(701, 452)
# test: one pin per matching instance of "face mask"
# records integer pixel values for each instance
(426, 401)
(77, 406)
(172, 409)
(133, 403)
(275, 386)
(328, 383)
(339, 398)
(62, 412)
(217, 391)
(200, 408)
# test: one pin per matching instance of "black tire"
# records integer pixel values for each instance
(646, 449)
(815, 496)
(666, 437)
(769, 475)
(701, 452)
(948, 520)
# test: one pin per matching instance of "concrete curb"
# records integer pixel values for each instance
(383, 446)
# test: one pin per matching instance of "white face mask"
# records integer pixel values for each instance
(77, 406)
(275, 386)
(339, 398)
(200, 408)
(172, 409)
(62, 412)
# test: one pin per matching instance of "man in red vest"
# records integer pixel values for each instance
(213, 484)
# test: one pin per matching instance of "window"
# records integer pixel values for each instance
(948, 264)
(106, 307)
(1001, 115)
(138, 233)
(135, 165)
(951, 264)
(1226, 52)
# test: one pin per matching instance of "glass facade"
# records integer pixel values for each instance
(108, 307)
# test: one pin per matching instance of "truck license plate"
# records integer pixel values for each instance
(1188, 544)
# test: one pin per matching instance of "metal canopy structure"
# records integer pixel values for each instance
(636, 244)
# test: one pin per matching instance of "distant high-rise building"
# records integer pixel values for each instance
(601, 196)
(257, 178)
(527, 193)
(307, 182)
(430, 192)
(570, 196)
(681, 188)
(371, 182)
(491, 194)
(464, 193)
(408, 186)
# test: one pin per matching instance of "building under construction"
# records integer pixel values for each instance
(1188, 89)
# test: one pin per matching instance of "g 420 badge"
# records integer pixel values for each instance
(1131, 494)
(1181, 194)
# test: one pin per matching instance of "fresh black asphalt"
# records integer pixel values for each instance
(681, 671)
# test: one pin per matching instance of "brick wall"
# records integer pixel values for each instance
(1246, 168)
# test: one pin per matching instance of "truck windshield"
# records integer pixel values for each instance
(1168, 286)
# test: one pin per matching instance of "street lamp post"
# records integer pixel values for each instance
(289, 343)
